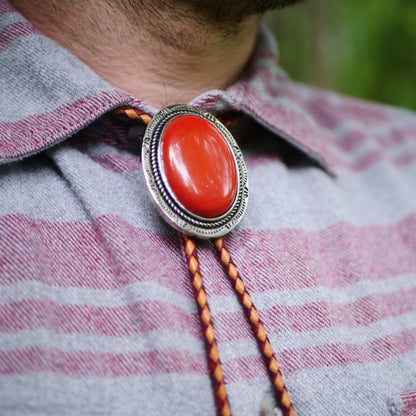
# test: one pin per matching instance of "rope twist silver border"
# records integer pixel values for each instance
(166, 202)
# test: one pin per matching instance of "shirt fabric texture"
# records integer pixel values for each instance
(97, 315)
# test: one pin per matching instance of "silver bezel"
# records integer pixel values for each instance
(166, 202)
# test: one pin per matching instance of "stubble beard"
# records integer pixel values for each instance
(213, 12)
(185, 25)
(231, 11)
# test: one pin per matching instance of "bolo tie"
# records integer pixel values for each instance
(197, 179)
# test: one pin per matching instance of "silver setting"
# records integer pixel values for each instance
(166, 202)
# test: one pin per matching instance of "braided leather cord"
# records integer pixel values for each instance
(258, 329)
(133, 114)
(214, 363)
(217, 378)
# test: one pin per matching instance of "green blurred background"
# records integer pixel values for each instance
(363, 48)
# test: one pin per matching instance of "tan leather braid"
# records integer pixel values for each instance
(258, 329)
(217, 379)
(133, 114)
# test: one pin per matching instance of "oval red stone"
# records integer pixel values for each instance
(199, 165)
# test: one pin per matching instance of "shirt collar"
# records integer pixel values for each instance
(48, 95)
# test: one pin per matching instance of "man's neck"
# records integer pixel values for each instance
(161, 56)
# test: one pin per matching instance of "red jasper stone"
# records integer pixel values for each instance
(199, 165)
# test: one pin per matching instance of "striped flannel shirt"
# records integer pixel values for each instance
(97, 315)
